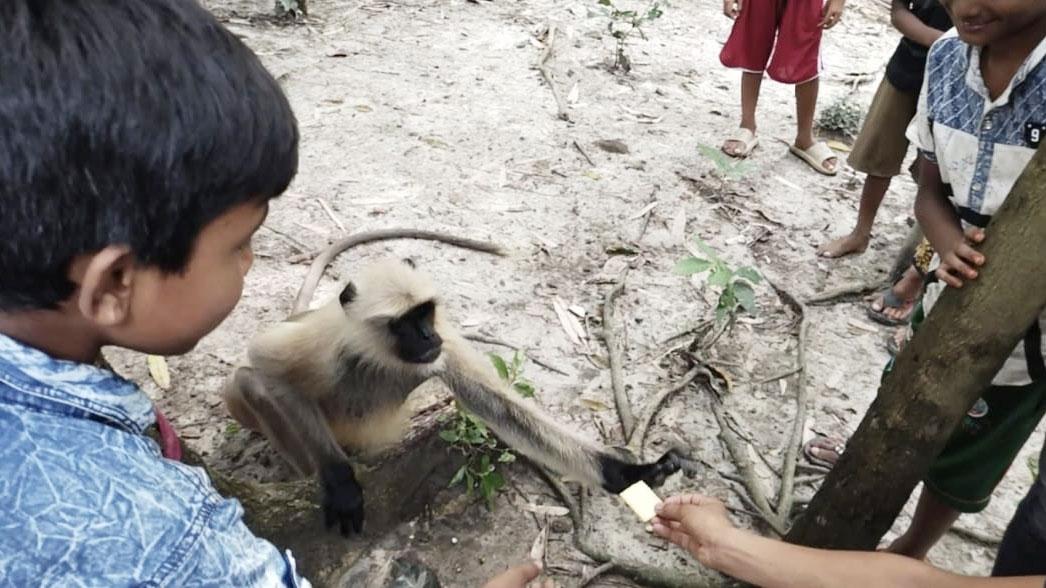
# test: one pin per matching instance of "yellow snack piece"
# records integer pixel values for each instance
(642, 500)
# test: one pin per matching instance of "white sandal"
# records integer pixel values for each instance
(816, 155)
(746, 138)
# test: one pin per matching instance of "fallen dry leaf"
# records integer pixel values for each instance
(158, 370)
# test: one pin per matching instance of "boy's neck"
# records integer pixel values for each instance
(53, 332)
(1017, 47)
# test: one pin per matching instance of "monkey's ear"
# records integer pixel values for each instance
(348, 294)
(410, 262)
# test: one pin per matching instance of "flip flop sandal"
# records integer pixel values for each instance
(892, 346)
(825, 444)
(816, 155)
(890, 300)
(746, 138)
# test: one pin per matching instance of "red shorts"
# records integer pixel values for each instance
(786, 29)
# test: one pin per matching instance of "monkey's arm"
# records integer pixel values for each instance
(297, 427)
(533, 433)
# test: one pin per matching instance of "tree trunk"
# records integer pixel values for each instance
(936, 378)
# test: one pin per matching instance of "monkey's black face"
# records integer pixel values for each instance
(415, 334)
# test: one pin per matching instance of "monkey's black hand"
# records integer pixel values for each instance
(618, 474)
(342, 498)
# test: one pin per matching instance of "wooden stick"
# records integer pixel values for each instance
(583, 153)
(615, 357)
(337, 222)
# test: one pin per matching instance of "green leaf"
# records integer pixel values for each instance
(458, 477)
(499, 365)
(720, 276)
(507, 457)
(449, 436)
(722, 314)
(605, 3)
(692, 265)
(745, 296)
(749, 274)
(518, 359)
(525, 389)
(704, 248)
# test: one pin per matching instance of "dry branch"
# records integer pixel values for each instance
(493, 341)
(615, 355)
(637, 440)
(583, 153)
(324, 257)
(847, 291)
(786, 495)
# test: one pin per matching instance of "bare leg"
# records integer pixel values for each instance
(750, 85)
(875, 188)
(931, 521)
(805, 107)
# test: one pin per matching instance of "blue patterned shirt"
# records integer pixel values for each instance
(981, 147)
(87, 500)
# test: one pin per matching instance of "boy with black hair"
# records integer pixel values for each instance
(140, 144)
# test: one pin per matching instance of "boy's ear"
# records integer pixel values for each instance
(105, 281)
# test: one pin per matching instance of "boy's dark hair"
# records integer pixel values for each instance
(133, 122)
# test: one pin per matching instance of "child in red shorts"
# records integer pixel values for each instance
(786, 34)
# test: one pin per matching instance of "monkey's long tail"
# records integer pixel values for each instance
(326, 256)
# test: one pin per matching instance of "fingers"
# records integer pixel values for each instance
(517, 577)
(675, 536)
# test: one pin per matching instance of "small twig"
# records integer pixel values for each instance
(785, 374)
(492, 341)
(334, 219)
(638, 438)
(550, 45)
(325, 256)
(594, 573)
(648, 215)
(847, 291)
(581, 150)
(615, 356)
(289, 239)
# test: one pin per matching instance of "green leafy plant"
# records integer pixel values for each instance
(512, 373)
(626, 23)
(736, 286)
(842, 116)
(726, 168)
(482, 450)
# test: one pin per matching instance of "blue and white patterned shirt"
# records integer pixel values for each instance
(981, 147)
(87, 500)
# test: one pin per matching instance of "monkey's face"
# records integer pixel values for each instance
(415, 336)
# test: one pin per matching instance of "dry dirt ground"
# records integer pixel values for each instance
(432, 114)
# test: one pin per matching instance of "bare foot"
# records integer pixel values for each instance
(733, 148)
(843, 246)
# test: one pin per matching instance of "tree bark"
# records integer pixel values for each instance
(937, 377)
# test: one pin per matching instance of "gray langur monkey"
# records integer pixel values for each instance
(338, 376)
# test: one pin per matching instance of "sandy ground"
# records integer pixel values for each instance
(433, 115)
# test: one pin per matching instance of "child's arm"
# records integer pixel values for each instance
(700, 525)
(910, 26)
(941, 225)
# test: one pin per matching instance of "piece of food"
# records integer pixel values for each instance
(642, 500)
